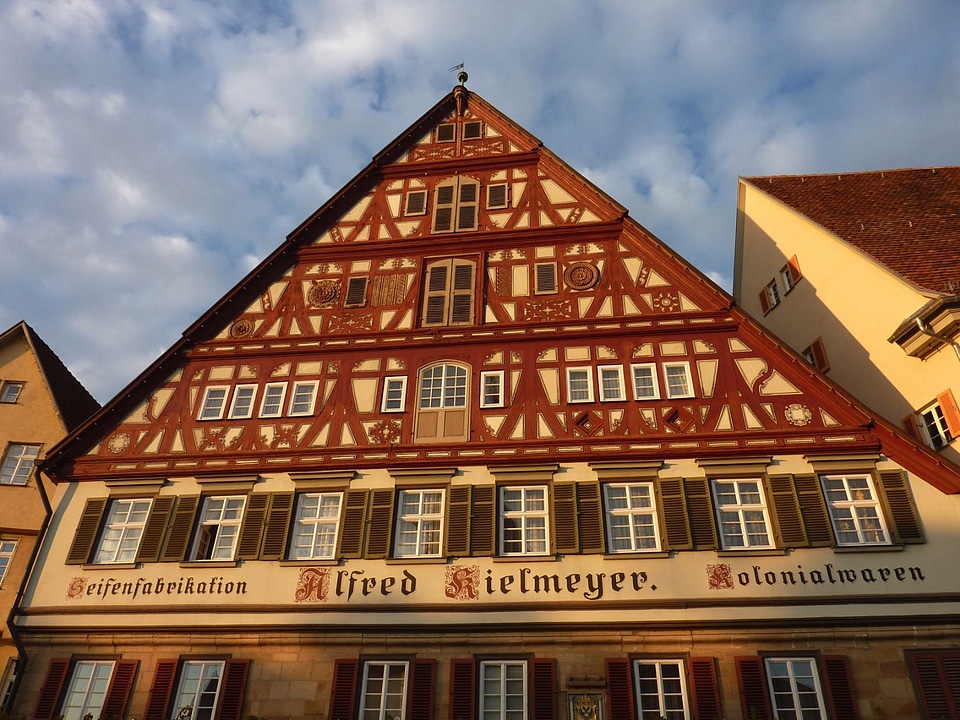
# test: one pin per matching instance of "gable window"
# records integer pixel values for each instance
(498, 196)
(7, 549)
(610, 380)
(394, 394)
(419, 523)
(795, 688)
(678, 380)
(472, 130)
(854, 510)
(10, 391)
(242, 404)
(272, 403)
(491, 389)
(455, 205)
(384, 691)
(303, 399)
(87, 690)
(579, 385)
(523, 521)
(416, 203)
(449, 292)
(661, 689)
(122, 531)
(631, 517)
(442, 403)
(545, 278)
(214, 401)
(742, 514)
(446, 132)
(218, 528)
(645, 385)
(317, 525)
(18, 464)
(503, 690)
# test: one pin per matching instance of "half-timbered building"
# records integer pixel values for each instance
(473, 444)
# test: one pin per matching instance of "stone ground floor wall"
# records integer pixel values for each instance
(290, 673)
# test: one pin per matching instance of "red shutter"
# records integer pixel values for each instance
(620, 689)
(231, 689)
(951, 412)
(705, 688)
(754, 696)
(115, 703)
(343, 690)
(936, 676)
(543, 689)
(764, 301)
(420, 701)
(158, 700)
(50, 690)
(794, 269)
(463, 689)
(841, 700)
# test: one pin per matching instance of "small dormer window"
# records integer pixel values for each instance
(446, 132)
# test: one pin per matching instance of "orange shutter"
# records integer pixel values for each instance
(951, 412)
(764, 301)
(794, 269)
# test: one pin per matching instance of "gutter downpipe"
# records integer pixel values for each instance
(928, 331)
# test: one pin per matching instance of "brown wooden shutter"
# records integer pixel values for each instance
(118, 694)
(497, 196)
(901, 511)
(343, 690)
(819, 352)
(378, 529)
(155, 529)
(87, 530)
(543, 689)
(251, 532)
(677, 534)
(462, 293)
(787, 514)
(754, 696)
(351, 532)
(564, 517)
(420, 694)
(458, 520)
(705, 689)
(50, 691)
(436, 290)
(951, 411)
(232, 687)
(180, 529)
(546, 278)
(463, 689)
(416, 202)
(161, 689)
(483, 521)
(936, 677)
(699, 505)
(841, 699)
(278, 523)
(467, 207)
(443, 208)
(620, 689)
(764, 301)
(813, 510)
(356, 293)
(590, 517)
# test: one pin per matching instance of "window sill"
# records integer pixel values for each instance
(637, 555)
(525, 558)
(867, 548)
(416, 560)
(112, 566)
(209, 563)
(301, 562)
(756, 552)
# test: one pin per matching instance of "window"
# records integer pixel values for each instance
(214, 401)
(935, 426)
(304, 397)
(356, 294)
(795, 689)
(219, 526)
(610, 380)
(769, 296)
(394, 394)
(199, 688)
(661, 689)
(631, 517)
(87, 689)
(456, 203)
(545, 278)
(441, 408)
(316, 526)
(242, 405)
(7, 548)
(523, 521)
(18, 464)
(272, 403)
(645, 386)
(449, 293)
(579, 385)
(491, 389)
(446, 132)
(742, 514)
(790, 274)
(472, 130)
(419, 524)
(416, 203)
(503, 690)
(384, 691)
(122, 531)
(678, 381)
(10, 391)
(816, 354)
(211, 688)
(854, 510)
(498, 196)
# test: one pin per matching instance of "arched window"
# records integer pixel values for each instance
(443, 411)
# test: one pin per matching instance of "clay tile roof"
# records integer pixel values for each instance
(909, 220)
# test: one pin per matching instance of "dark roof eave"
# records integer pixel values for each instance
(908, 328)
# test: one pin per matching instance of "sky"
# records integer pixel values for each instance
(152, 152)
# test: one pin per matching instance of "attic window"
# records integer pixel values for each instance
(446, 132)
(356, 292)
(416, 202)
(455, 207)
(472, 130)
(10, 391)
(497, 196)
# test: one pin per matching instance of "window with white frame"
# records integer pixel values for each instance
(503, 690)
(199, 688)
(442, 404)
(678, 381)
(7, 549)
(214, 401)
(524, 521)
(645, 385)
(579, 385)
(218, 528)
(242, 404)
(795, 689)
(394, 394)
(384, 691)
(491, 389)
(631, 517)
(661, 690)
(773, 293)
(122, 531)
(316, 526)
(610, 381)
(303, 398)
(10, 391)
(935, 426)
(742, 514)
(272, 403)
(854, 510)
(10, 673)
(419, 523)
(86, 689)
(18, 464)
